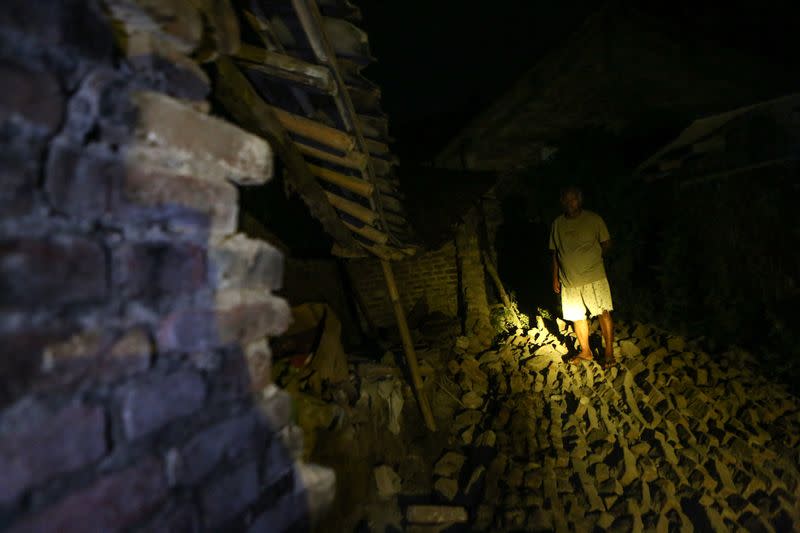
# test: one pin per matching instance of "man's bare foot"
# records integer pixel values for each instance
(581, 357)
(609, 360)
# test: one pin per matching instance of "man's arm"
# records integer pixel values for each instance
(556, 283)
(605, 246)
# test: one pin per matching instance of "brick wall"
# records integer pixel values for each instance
(133, 319)
(431, 275)
(477, 324)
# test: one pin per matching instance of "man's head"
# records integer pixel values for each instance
(571, 200)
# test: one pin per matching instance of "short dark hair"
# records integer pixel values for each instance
(574, 189)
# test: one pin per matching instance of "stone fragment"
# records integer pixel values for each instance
(483, 518)
(387, 481)
(475, 480)
(514, 476)
(537, 364)
(453, 366)
(601, 472)
(472, 400)
(149, 404)
(641, 331)
(489, 357)
(630, 473)
(259, 364)
(605, 521)
(471, 368)
(468, 434)
(462, 343)
(435, 514)
(560, 349)
(486, 439)
(676, 344)
(532, 480)
(513, 519)
(446, 487)
(517, 383)
(449, 465)
(546, 352)
(466, 418)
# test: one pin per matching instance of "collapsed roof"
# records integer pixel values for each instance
(290, 71)
(745, 139)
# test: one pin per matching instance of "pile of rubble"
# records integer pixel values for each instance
(671, 437)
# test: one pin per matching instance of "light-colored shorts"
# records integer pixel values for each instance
(595, 296)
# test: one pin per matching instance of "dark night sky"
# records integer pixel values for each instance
(440, 62)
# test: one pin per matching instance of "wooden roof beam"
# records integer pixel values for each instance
(243, 102)
(286, 67)
(369, 232)
(351, 183)
(305, 127)
(353, 160)
(354, 209)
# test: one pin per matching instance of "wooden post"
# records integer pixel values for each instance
(408, 345)
(497, 283)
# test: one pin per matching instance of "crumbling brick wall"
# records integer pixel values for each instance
(133, 318)
(477, 323)
(430, 275)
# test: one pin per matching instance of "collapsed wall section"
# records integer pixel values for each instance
(430, 277)
(134, 386)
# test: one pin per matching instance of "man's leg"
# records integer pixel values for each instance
(607, 327)
(582, 332)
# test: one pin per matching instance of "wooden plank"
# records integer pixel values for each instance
(408, 345)
(374, 127)
(221, 35)
(368, 232)
(391, 204)
(286, 67)
(315, 131)
(492, 271)
(364, 214)
(395, 218)
(241, 100)
(354, 160)
(365, 101)
(381, 166)
(390, 187)
(351, 183)
(377, 148)
(263, 28)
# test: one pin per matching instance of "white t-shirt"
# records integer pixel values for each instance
(577, 243)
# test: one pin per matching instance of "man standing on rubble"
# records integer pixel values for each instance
(578, 239)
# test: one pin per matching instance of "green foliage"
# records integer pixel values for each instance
(503, 318)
